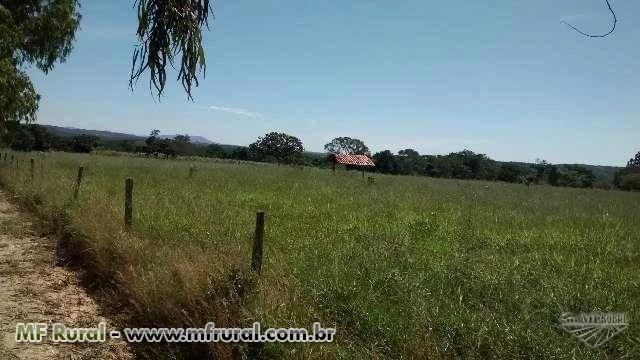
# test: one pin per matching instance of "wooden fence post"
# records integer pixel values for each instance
(78, 182)
(192, 169)
(128, 203)
(256, 255)
(31, 169)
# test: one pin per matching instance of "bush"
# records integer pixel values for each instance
(630, 181)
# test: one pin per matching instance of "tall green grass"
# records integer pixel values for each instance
(408, 267)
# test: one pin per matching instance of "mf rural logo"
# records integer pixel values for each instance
(594, 329)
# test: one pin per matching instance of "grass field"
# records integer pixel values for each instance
(408, 267)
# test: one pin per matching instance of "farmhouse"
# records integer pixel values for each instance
(361, 161)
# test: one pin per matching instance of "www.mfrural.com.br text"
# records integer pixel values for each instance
(39, 332)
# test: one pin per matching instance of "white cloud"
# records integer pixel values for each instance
(238, 111)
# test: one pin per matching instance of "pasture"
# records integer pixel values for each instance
(406, 267)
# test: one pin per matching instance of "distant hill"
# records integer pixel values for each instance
(104, 135)
(114, 136)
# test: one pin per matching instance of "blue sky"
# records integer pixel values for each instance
(500, 77)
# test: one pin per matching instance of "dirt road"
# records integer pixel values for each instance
(34, 289)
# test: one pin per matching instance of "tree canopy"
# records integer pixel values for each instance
(277, 146)
(634, 162)
(32, 32)
(347, 145)
(41, 33)
(628, 178)
(168, 30)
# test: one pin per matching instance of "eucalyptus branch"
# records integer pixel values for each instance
(169, 30)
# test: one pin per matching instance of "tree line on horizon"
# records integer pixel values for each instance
(24, 43)
(281, 148)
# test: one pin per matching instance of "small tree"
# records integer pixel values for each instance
(240, 153)
(185, 139)
(469, 165)
(545, 172)
(83, 143)
(629, 181)
(577, 176)
(628, 178)
(23, 137)
(410, 153)
(22, 140)
(155, 145)
(634, 162)
(386, 162)
(181, 144)
(410, 162)
(215, 150)
(277, 146)
(41, 137)
(511, 172)
(347, 145)
(554, 175)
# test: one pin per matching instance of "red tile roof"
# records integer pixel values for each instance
(362, 160)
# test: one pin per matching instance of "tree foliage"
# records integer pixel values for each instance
(628, 178)
(469, 165)
(169, 30)
(386, 162)
(629, 181)
(240, 153)
(22, 140)
(347, 145)
(156, 146)
(279, 147)
(21, 137)
(215, 150)
(34, 137)
(409, 161)
(511, 172)
(41, 33)
(409, 153)
(634, 162)
(545, 172)
(32, 32)
(577, 176)
(83, 143)
(42, 139)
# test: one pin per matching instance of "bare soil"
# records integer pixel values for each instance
(34, 289)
